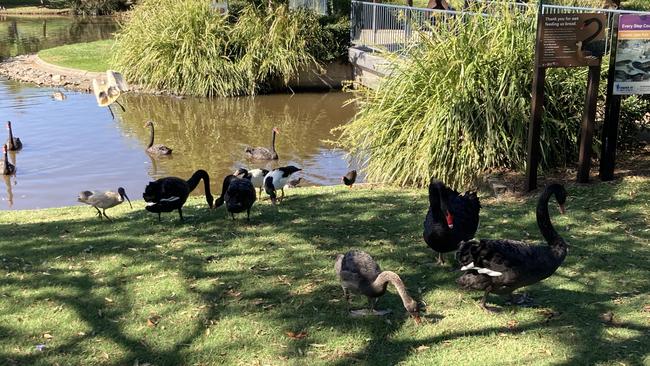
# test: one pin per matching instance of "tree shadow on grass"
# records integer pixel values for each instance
(278, 272)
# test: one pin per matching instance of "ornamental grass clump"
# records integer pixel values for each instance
(459, 105)
(178, 46)
(185, 47)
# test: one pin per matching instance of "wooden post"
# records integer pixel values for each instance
(587, 129)
(612, 114)
(537, 108)
(535, 127)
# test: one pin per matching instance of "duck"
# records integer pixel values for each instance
(238, 194)
(7, 167)
(107, 92)
(502, 266)
(256, 176)
(360, 274)
(13, 143)
(277, 179)
(262, 153)
(103, 200)
(157, 149)
(170, 193)
(349, 178)
(451, 218)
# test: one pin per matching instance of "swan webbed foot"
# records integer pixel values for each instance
(523, 300)
(366, 312)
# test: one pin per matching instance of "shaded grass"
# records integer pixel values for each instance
(90, 56)
(92, 285)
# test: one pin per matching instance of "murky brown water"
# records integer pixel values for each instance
(74, 145)
(30, 34)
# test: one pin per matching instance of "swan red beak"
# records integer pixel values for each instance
(562, 209)
(450, 220)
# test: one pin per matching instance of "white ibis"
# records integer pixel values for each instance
(103, 200)
(106, 92)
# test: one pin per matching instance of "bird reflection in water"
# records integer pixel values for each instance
(10, 194)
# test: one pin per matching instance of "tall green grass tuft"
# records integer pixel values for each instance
(460, 103)
(186, 48)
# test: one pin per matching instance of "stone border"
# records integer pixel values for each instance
(32, 69)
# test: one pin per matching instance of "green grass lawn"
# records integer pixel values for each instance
(138, 291)
(91, 56)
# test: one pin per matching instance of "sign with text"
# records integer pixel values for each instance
(632, 72)
(571, 40)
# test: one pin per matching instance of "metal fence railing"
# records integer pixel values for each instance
(317, 6)
(387, 27)
(390, 27)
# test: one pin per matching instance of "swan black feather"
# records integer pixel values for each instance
(502, 266)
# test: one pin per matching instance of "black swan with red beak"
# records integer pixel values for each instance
(170, 193)
(502, 266)
(451, 218)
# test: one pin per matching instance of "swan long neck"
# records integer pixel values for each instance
(11, 137)
(273, 142)
(194, 181)
(151, 135)
(385, 277)
(5, 164)
(552, 237)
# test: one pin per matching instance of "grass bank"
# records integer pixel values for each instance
(90, 56)
(214, 291)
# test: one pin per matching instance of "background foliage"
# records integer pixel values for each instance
(459, 105)
(185, 47)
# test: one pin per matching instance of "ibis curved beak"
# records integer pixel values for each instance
(127, 198)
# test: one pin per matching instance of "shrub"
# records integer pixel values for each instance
(97, 7)
(460, 105)
(186, 48)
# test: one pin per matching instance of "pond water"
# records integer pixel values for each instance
(74, 145)
(22, 35)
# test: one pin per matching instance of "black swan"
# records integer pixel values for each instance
(277, 179)
(360, 274)
(349, 178)
(588, 48)
(7, 167)
(238, 194)
(451, 218)
(170, 193)
(256, 176)
(262, 153)
(13, 143)
(502, 266)
(103, 200)
(157, 149)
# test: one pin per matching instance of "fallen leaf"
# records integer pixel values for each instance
(317, 345)
(646, 309)
(512, 324)
(108, 299)
(47, 336)
(153, 320)
(607, 317)
(299, 335)
(422, 348)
